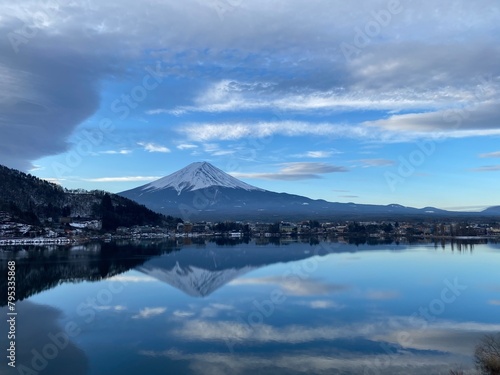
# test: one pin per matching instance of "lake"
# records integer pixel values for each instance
(227, 307)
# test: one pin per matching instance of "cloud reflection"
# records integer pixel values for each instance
(132, 279)
(111, 308)
(321, 304)
(294, 285)
(149, 312)
(203, 330)
(304, 363)
(428, 345)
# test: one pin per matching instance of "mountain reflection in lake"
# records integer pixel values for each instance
(244, 308)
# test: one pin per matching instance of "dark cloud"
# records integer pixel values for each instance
(47, 90)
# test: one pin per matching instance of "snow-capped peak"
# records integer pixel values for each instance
(196, 176)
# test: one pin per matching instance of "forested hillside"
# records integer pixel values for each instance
(34, 201)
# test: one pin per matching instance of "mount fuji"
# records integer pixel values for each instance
(201, 191)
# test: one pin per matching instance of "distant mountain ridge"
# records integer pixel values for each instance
(201, 191)
(495, 210)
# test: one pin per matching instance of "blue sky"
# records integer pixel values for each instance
(364, 101)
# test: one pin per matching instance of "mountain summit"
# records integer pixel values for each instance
(195, 176)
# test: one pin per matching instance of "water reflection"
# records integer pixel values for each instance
(39, 268)
(43, 345)
(291, 307)
(199, 271)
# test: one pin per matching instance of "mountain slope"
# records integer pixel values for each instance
(495, 210)
(201, 191)
(33, 200)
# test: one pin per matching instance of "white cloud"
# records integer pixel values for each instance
(186, 146)
(111, 308)
(182, 314)
(223, 152)
(294, 171)
(206, 132)
(56, 181)
(306, 167)
(116, 152)
(482, 118)
(385, 131)
(210, 147)
(149, 312)
(495, 154)
(232, 96)
(214, 149)
(487, 168)
(377, 162)
(317, 154)
(153, 147)
(123, 179)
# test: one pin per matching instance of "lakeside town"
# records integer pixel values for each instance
(79, 230)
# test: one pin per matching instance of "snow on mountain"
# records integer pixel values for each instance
(194, 281)
(196, 176)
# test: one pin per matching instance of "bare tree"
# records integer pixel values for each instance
(487, 355)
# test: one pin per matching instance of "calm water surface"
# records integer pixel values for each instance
(290, 308)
